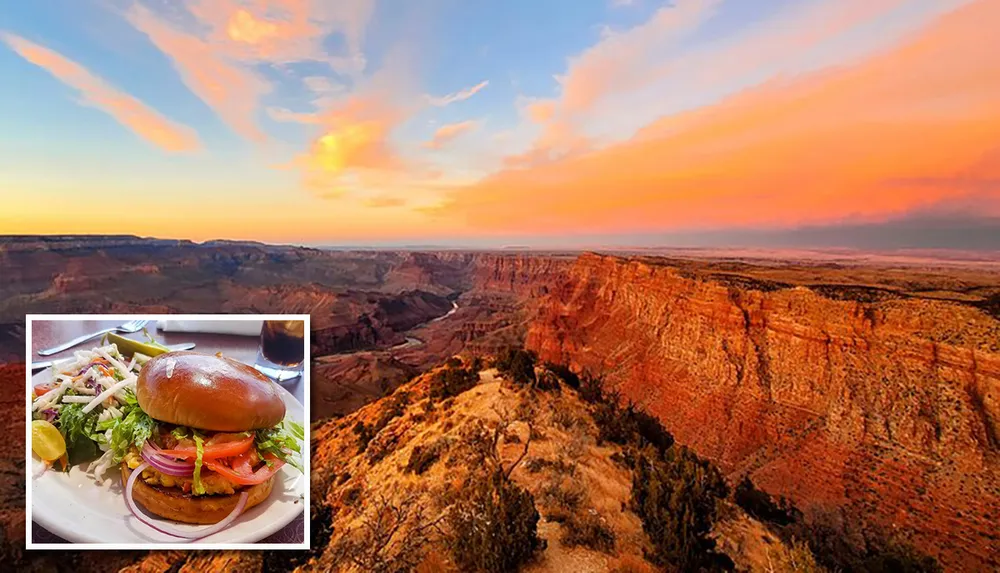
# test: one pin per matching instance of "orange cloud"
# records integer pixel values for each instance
(245, 27)
(230, 90)
(852, 143)
(216, 60)
(457, 96)
(447, 133)
(354, 142)
(541, 111)
(618, 61)
(127, 110)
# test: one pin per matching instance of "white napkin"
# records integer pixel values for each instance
(239, 327)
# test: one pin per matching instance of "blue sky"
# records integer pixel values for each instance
(387, 120)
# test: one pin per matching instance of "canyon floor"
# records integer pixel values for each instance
(863, 388)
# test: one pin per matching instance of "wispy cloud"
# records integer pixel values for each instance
(95, 92)
(447, 133)
(853, 143)
(458, 96)
(218, 44)
(620, 61)
(631, 77)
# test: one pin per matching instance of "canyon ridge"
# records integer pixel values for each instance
(864, 390)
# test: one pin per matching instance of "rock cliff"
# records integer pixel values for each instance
(879, 409)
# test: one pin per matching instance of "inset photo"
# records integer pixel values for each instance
(156, 431)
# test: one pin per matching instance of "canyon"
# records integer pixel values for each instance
(865, 391)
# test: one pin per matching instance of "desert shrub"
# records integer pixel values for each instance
(527, 408)
(394, 408)
(564, 418)
(453, 362)
(628, 425)
(423, 457)
(476, 364)
(762, 506)
(899, 558)
(451, 382)
(591, 389)
(364, 435)
(559, 466)
(495, 528)
(564, 374)
(562, 500)
(588, 530)
(839, 546)
(494, 525)
(517, 365)
(392, 537)
(676, 495)
(651, 430)
(546, 382)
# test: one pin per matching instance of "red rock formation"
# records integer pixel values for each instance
(889, 411)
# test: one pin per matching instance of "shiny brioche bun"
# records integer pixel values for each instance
(172, 503)
(208, 392)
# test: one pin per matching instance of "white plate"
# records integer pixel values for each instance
(73, 506)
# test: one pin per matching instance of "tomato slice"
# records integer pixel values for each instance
(41, 390)
(259, 476)
(218, 446)
(244, 463)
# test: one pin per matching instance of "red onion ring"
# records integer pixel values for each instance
(157, 452)
(165, 465)
(204, 532)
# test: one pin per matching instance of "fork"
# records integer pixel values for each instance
(128, 328)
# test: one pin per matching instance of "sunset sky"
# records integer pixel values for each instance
(488, 123)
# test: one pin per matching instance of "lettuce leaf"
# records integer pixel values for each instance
(196, 485)
(134, 427)
(284, 442)
(80, 432)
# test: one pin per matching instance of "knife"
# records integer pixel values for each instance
(47, 363)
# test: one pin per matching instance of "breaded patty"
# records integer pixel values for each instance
(213, 482)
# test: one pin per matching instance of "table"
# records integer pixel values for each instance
(48, 333)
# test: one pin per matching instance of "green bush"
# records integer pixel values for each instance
(841, 546)
(452, 382)
(494, 528)
(676, 495)
(423, 457)
(564, 374)
(628, 425)
(518, 365)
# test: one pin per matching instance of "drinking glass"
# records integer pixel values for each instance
(281, 352)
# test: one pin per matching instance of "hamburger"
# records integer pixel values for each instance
(207, 441)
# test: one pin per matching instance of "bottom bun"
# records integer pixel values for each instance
(172, 503)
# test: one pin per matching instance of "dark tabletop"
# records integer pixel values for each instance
(48, 333)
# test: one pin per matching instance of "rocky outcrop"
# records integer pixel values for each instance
(887, 411)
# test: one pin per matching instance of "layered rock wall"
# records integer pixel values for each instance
(882, 412)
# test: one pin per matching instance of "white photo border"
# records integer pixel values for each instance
(70, 546)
